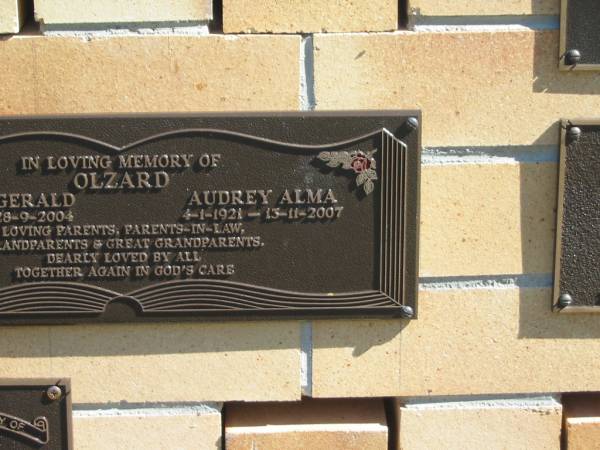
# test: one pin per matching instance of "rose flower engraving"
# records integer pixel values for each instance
(361, 163)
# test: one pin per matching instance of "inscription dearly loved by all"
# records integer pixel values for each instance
(183, 216)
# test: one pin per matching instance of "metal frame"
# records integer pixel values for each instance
(565, 124)
(563, 44)
(47, 382)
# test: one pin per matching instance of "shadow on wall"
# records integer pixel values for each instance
(547, 78)
(538, 201)
(359, 335)
(187, 338)
(148, 338)
(537, 321)
(541, 6)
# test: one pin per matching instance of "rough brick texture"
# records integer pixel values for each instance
(482, 7)
(53, 12)
(582, 421)
(310, 424)
(308, 16)
(12, 14)
(466, 342)
(516, 424)
(496, 219)
(189, 428)
(49, 75)
(474, 88)
(210, 362)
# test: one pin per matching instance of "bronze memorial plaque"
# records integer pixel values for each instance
(119, 218)
(35, 414)
(580, 35)
(577, 271)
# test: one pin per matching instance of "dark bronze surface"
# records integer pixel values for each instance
(30, 418)
(113, 218)
(580, 34)
(577, 272)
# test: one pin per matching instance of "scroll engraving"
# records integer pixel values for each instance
(36, 431)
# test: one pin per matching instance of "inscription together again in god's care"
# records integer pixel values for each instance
(44, 222)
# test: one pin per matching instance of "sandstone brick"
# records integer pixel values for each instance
(479, 219)
(482, 7)
(475, 220)
(148, 74)
(474, 88)
(12, 15)
(472, 425)
(314, 424)
(187, 428)
(465, 342)
(162, 362)
(356, 358)
(582, 421)
(306, 16)
(496, 341)
(583, 433)
(52, 12)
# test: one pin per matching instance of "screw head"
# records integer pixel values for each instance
(407, 312)
(572, 57)
(54, 393)
(412, 123)
(574, 133)
(565, 300)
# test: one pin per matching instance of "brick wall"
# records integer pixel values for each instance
(487, 362)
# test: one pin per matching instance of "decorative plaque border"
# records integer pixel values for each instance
(398, 175)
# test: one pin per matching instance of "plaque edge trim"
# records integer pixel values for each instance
(559, 215)
(334, 113)
(118, 150)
